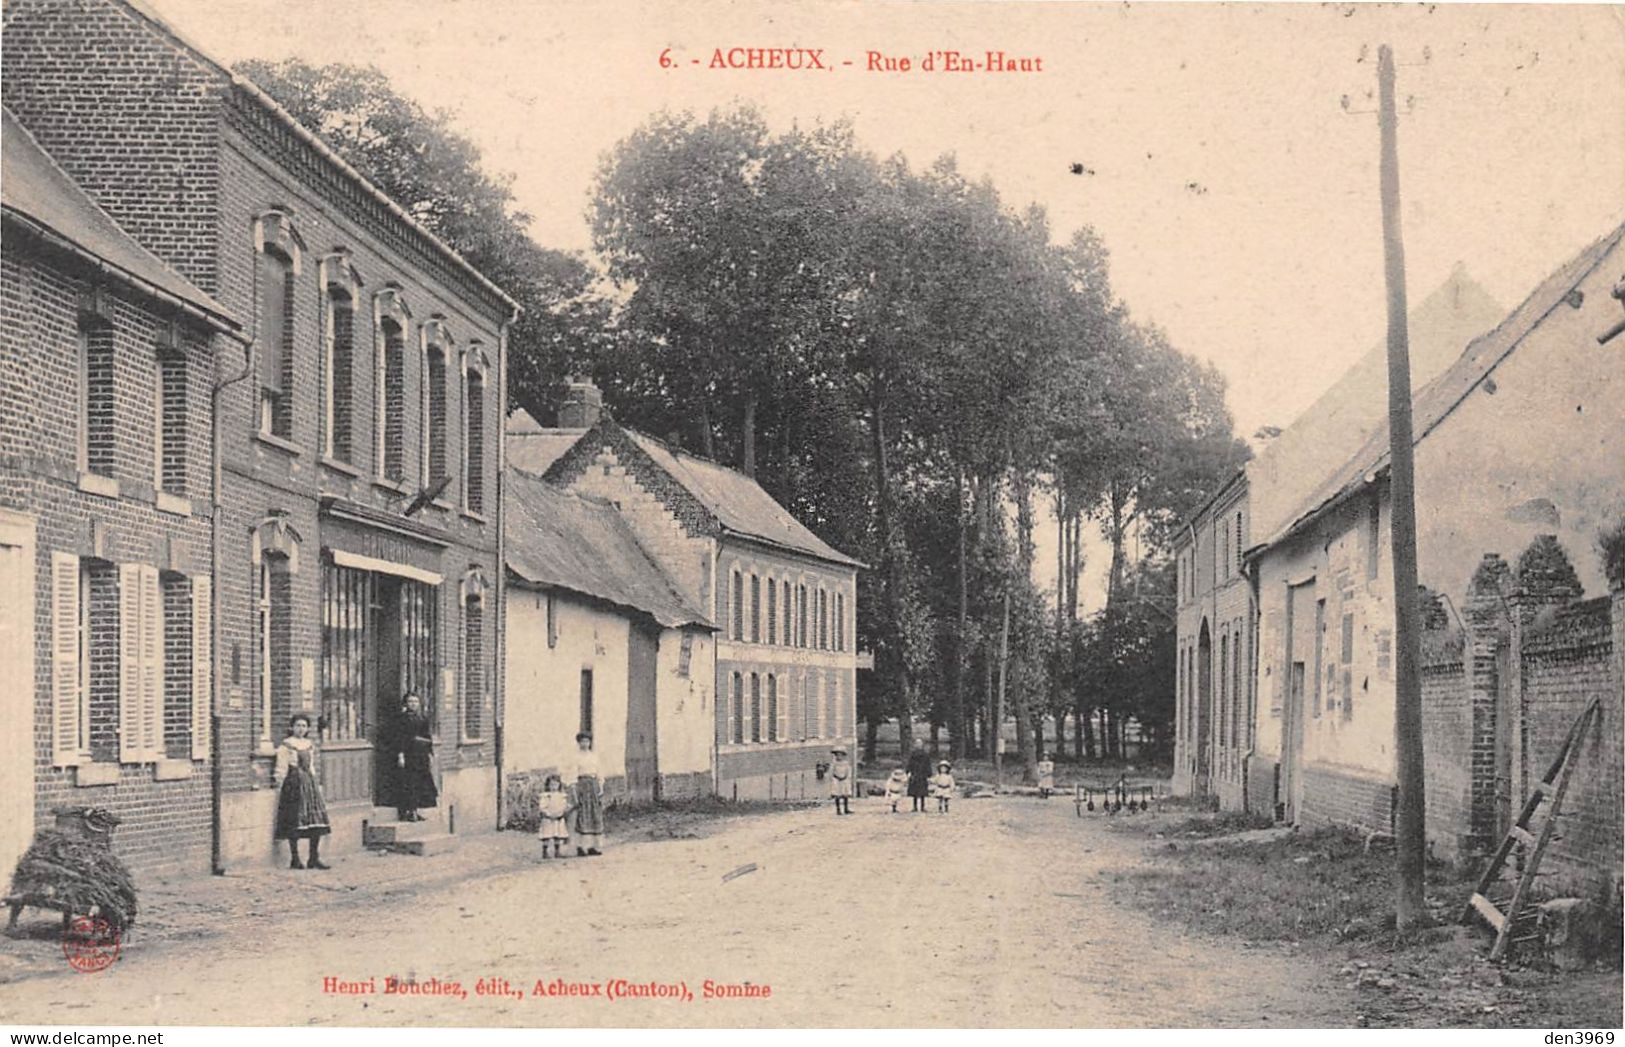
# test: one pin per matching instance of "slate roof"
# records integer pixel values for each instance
(558, 539)
(1434, 402)
(739, 503)
(35, 189)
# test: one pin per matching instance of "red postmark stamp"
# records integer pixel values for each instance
(91, 944)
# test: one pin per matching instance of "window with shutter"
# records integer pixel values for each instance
(130, 659)
(67, 661)
(816, 714)
(202, 664)
(151, 718)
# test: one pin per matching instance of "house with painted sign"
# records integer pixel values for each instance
(1523, 435)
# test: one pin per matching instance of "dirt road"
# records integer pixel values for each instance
(1000, 913)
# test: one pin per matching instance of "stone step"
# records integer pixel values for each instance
(434, 843)
(384, 834)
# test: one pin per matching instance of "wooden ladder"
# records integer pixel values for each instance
(1553, 785)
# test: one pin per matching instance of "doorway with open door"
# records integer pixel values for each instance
(379, 643)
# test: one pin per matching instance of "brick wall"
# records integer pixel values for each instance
(1567, 660)
(165, 823)
(1334, 796)
(1447, 740)
(130, 115)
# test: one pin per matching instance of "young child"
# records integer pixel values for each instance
(554, 806)
(1046, 778)
(942, 786)
(895, 786)
(840, 781)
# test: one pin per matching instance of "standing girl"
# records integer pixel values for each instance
(589, 798)
(942, 786)
(300, 811)
(919, 776)
(840, 782)
(554, 806)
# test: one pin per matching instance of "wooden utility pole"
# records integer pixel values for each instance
(1410, 831)
(998, 707)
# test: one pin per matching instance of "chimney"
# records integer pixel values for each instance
(582, 406)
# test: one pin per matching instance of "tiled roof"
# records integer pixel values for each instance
(34, 188)
(738, 502)
(1434, 401)
(558, 539)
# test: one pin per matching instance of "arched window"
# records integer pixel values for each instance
(755, 609)
(474, 687)
(274, 555)
(475, 369)
(436, 406)
(279, 249)
(341, 288)
(737, 611)
(772, 611)
(773, 732)
(393, 318)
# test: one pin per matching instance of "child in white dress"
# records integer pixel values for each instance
(895, 786)
(1046, 778)
(840, 781)
(553, 804)
(942, 786)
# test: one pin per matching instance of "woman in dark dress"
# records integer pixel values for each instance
(919, 776)
(411, 751)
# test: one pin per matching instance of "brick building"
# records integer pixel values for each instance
(107, 357)
(1213, 720)
(785, 602)
(599, 641)
(1524, 434)
(357, 528)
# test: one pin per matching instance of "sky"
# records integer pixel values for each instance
(1236, 192)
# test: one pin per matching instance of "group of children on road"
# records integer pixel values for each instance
(917, 781)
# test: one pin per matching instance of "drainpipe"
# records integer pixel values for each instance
(217, 861)
(500, 720)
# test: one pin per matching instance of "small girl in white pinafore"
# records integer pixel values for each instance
(942, 786)
(840, 781)
(895, 786)
(1046, 778)
(554, 806)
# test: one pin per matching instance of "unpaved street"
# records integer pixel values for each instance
(998, 914)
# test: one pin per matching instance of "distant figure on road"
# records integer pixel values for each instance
(942, 786)
(1046, 778)
(840, 781)
(919, 775)
(895, 786)
(589, 798)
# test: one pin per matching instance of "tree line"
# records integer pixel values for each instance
(909, 364)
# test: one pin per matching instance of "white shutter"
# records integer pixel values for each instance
(812, 696)
(781, 732)
(731, 702)
(202, 664)
(65, 695)
(129, 663)
(152, 665)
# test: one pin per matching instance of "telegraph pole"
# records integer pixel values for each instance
(1410, 830)
(998, 708)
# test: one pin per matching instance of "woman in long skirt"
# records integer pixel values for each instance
(411, 752)
(919, 776)
(589, 798)
(301, 812)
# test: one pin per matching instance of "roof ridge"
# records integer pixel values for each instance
(276, 109)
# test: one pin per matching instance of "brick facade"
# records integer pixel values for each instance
(205, 173)
(163, 799)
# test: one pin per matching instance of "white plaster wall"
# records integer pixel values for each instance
(1333, 554)
(1554, 428)
(684, 715)
(544, 683)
